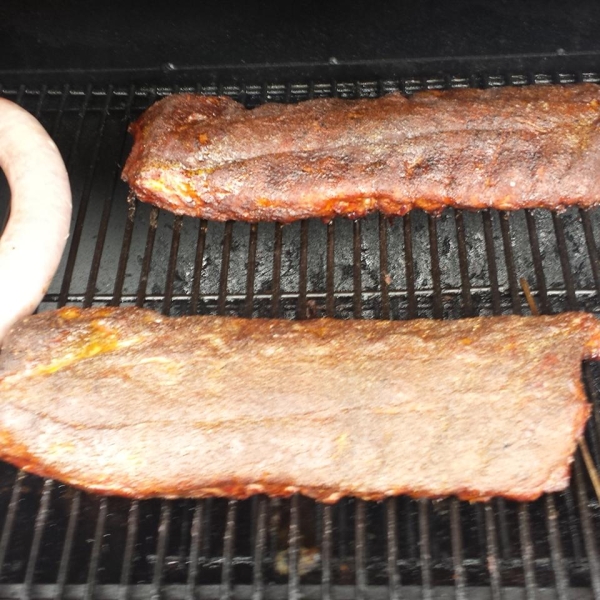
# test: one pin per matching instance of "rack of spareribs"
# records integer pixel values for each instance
(506, 148)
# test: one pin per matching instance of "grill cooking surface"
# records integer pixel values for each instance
(56, 542)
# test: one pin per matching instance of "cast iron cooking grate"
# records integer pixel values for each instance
(57, 542)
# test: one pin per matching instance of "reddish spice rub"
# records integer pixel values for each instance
(128, 402)
(504, 148)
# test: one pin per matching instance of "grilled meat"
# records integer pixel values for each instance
(504, 148)
(125, 401)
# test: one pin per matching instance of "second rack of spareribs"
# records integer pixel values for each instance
(126, 401)
(504, 148)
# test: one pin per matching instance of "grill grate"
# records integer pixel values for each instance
(57, 542)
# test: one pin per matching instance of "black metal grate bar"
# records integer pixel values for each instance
(228, 542)
(249, 307)
(556, 552)
(384, 276)
(436, 275)
(394, 582)
(161, 548)
(124, 255)
(360, 550)
(493, 562)
(330, 302)
(564, 261)
(9, 520)
(409, 266)
(96, 549)
(147, 260)
(425, 549)
(40, 523)
(540, 278)
(276, 285)
(326, 551)
(465, 284)
(260, 546)
(293, 552)
(491, 262)
(303, 311)
(513, 283)
(357, 270)
(196, 533)
(67, 552)
(457, 549)
(133, 518)
(172, 266)
(527, 551)
(199, 258)
(227, 239)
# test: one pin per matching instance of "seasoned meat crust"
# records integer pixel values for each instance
(125, 401)
(504, 148)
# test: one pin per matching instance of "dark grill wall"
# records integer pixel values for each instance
(57, 542)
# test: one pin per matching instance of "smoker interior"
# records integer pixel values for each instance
(59, 542)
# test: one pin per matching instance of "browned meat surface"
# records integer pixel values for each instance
(505, 148)
(128, 402)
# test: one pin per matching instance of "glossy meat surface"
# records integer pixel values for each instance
(126, 401)
(504, 148)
